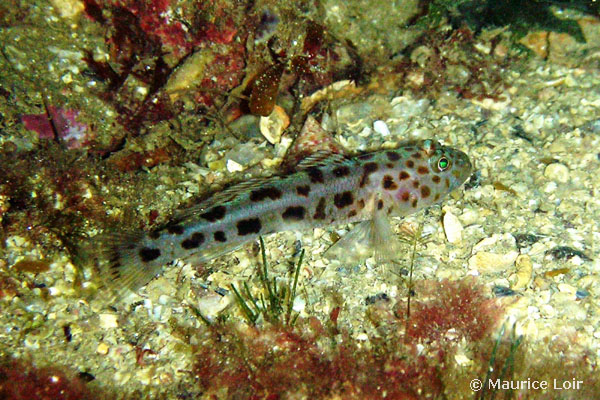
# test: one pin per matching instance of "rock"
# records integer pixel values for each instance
(108, 321)
(524, 272)
(486, 262)
(102, 349)
(273, 125)
(536, 42)
(557, 172)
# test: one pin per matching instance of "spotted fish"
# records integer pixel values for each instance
(322, 191)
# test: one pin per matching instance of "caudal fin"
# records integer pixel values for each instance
(118, 265)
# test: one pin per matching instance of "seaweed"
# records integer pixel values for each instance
(275, 301)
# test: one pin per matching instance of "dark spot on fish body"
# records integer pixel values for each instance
(389, 165)
(414, 203)
(392, 156)
(368, 169)
(220, 236)
(447, 182)
(410, 164)
(422, 170)
(175, 229)
(266, 192)
(436, 179)
(320, 210)
(379, 204)
(360, 204)
(341, 171)
(342, 200)
(214, 214)
(436, 197)
(315, 175)
(403, 175)
(194, 241)
(416, 184)
(417, 156)
(405, 196)
(425, 191)
(248, 226)
(294, 213)
(148, 254)
(352, 213)
(388, 183)
(303, 190)
(155, 234)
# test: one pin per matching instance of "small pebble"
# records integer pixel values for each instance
(108, 321)
(102, 349)
(486, 262)
(581, 294)
(381, 127)
(503, 291)
(273, 125)
(557, 172)
(524, 271)
(452, 227)
(233, 166)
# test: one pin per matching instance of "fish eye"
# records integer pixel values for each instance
(443, 164)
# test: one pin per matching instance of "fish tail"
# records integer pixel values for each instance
(118, 267)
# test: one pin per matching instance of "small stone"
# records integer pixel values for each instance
(381, 127)
(557, 172)
(102, 349)
(68, 8)
(486, 262)
(536, 42)
(524, 272)
(566, 288)
(452, 227)
(273, 125)
(233, 166)
(108, 321)
(462, 360)
(211, 305)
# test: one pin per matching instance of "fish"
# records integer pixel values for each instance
(323, 190)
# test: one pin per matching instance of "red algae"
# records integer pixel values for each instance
(278, 361)
(456, 307)
(59, 124)
(19, 381)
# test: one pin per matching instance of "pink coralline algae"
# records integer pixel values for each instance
(71, 133)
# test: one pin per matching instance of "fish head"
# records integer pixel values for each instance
(447, 162)
(425, 173)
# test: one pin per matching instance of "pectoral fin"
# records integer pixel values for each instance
(374, 237)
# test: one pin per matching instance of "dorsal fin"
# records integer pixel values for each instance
(312, 146)
(218, 198)
(321, 157)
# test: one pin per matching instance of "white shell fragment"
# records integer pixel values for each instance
(524, 272)
(557, 172)
(233, 166)
(108, 321)
(452, 227)
(273, 126)
(211, 305)
(381, 127)
(486, 262)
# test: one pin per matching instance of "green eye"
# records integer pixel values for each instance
(443, 164)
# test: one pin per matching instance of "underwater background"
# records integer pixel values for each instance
(116, 114)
